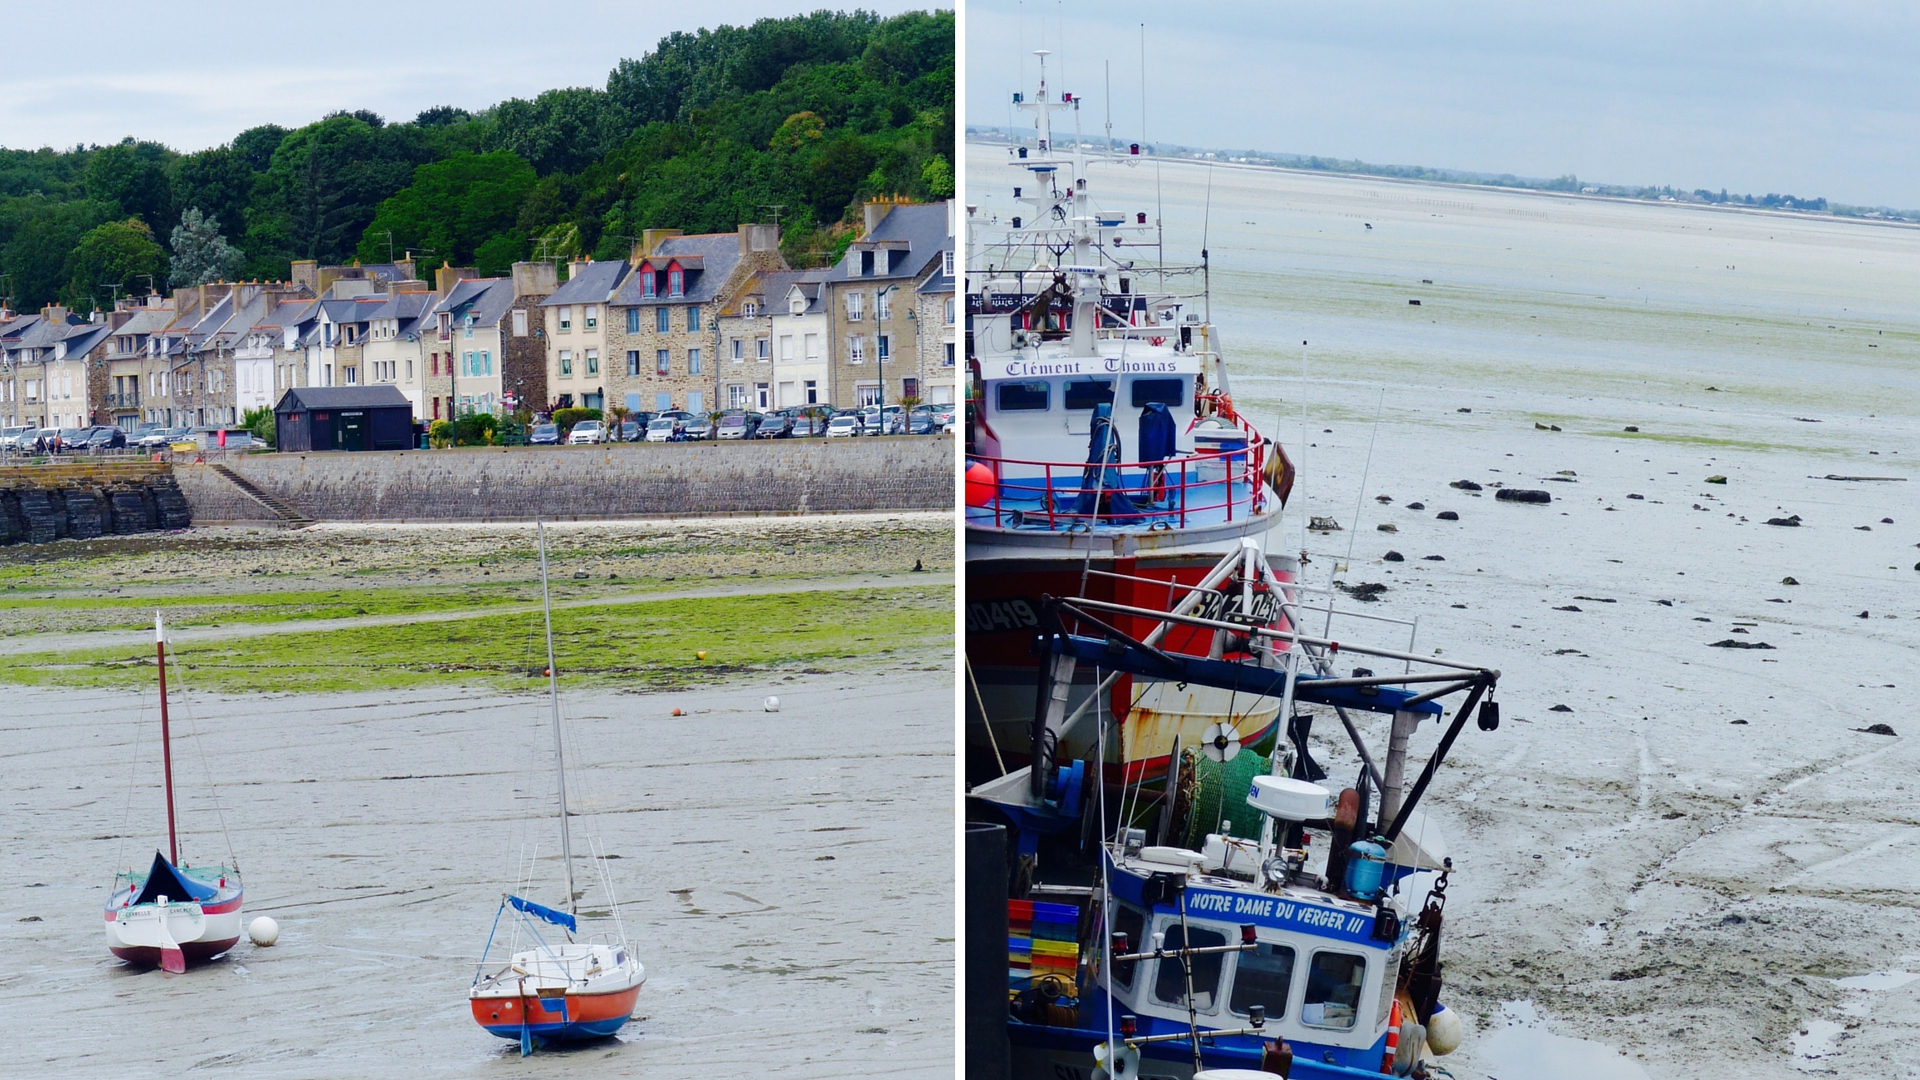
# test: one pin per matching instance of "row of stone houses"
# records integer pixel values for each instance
(720, 321)
(699, 322)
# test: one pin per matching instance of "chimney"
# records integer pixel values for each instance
(306, 272)
(876, 212)
(445, 278)
(534, 279)
(759, 238)
(576, 266)
(651, 239)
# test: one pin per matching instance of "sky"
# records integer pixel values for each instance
(1804, 99)
(194, 74)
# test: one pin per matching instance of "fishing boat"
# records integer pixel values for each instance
(562, 990)
(171, 914)
(1105, 457)
(1299, 933)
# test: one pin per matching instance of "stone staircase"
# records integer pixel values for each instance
(293, 518)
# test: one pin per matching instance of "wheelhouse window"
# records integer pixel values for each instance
(1084, 394)
(1024, 396)
(1131, 921)
(1333, 990)
(1166, 392)
(1170, 983)
(1263, 977)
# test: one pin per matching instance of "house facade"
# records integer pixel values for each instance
(773, 342)
(574, 321)
(664, 325)
(872, 308)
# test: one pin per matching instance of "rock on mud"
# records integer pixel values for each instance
(1525, 495)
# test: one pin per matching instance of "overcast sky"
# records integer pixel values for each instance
(194, 74)
(1811, 99)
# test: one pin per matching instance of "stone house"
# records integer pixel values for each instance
(934, 311)
(130, 398)
(44, 388)
(392, 352)
(523, 348)
(872, 308)
(773, 336)
(463, 339)
(663, 329)
(574, 317)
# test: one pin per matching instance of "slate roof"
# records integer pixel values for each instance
(83, 339)
(147, 321)
(920, 228)
(775, 286)
(486, 299)
(718, 253)
(342, 397)
(592, 285)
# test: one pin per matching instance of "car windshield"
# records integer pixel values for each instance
(665, 423)
(545, 429)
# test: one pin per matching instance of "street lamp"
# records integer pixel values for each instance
(880, 354)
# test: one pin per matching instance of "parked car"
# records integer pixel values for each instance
(106, 437)
(208, 438)
(895, 420)
(736, 425)
(586, 433)
(663, 428)
(920, 420)
(774, 427)
(629, 432)
(544, 435)
(844, 426)
(944, 418)
(161, 438)
(807, 425)
(10, 437)
(698, 427)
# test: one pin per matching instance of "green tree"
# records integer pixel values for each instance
(200, 253)
(455, 208)
(219, 182)
(324, 185)
(260, 422)
(133, 174)
(118, 253)
(41, 233)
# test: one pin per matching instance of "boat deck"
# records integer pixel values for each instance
(1129, 501)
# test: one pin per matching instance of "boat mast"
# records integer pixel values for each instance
(553, 695)
(166, 744)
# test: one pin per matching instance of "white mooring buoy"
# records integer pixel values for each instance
(772, 704)
(263, 931)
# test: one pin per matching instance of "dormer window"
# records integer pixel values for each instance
(866, 264)
(676, 282)
(751, 310)
(649, 287)
(946, 263)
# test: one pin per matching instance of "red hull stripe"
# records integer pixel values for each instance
(497, 1014)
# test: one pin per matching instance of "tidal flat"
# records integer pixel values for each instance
(1676, 858)
(364, 709)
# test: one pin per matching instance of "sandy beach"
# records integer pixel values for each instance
(1704, 866)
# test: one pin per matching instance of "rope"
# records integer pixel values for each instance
(981, 702)
(213, 791)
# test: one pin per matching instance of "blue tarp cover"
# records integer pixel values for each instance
(164, 880)
(1156, 433)
(541, 911)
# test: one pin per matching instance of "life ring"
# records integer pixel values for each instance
(1393, 1039)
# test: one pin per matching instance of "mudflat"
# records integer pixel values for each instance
(786, 877)
(1708, 864)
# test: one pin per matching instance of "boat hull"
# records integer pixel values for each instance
(559, 1018)
(142, 934)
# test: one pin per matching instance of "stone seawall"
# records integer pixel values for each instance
(579, 482)
(84, 498)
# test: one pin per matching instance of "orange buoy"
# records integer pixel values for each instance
(1393, 1039)
(980, 485)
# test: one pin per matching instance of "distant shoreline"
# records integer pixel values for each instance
(981, 139)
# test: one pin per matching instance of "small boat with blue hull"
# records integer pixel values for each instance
(566, 990)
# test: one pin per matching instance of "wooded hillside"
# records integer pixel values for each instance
(812, 114)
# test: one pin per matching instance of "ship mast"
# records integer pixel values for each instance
(166, 743)
(553, 695)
